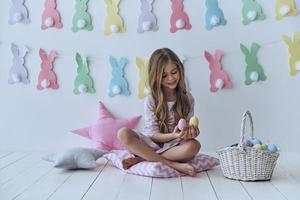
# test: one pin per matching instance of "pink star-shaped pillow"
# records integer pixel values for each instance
(104, 131)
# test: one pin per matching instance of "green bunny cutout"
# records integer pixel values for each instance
(254, 71)
(252, 11)
(82, 20)
(83, 82)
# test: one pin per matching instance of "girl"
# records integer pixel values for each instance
(168, 102)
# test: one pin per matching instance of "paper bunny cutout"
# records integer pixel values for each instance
(252, 11)
(147, 20)
(118, 84)
(218, 77)
(83, 82)
(179, 19)
(18, 13)
(214, 15)
(294, 49)
(47, 77)
(82, 20)
(142, 66)
(18, 72)
(50, 17)
(113, 21)
(254, 71)
(285, 8)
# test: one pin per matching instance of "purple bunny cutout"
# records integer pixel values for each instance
(18, 72)
(147, 20)
(18, 13)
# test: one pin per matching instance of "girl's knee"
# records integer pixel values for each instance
(125, 135)
(193, 146)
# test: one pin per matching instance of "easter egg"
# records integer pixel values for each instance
(194, 121)
(248, 143)
(272, 148)
(255, 141)
(258, 146)
(264, 147)
(182, 124)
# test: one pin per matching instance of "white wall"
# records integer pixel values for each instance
(32, 119)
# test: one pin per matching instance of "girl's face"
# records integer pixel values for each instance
(170, 76)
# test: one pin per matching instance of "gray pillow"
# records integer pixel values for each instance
(75, 158)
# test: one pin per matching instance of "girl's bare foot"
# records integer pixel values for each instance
(184, 168)
(129, 162)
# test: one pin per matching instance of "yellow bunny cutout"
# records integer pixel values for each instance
(142, 66)
(285, 8)
(113, 21)
(294, 49)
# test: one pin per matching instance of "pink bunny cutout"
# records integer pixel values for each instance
(179, 18)
(47, 77)
(218, 77)
(50, 17)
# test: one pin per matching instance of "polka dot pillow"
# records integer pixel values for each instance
(201, 162)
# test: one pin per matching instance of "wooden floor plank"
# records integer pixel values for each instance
(78, 183)
(108, 184)
(18, 185)
(165, 188)
(47, 185)
(16, 168)
(226, 188)
(197, 187)
(135, 188)
(5, 153)
(11, 158)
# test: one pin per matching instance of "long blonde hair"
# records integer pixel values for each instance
(182, 106)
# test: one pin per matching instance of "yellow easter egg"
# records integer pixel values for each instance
(194, 121)
(258, 146)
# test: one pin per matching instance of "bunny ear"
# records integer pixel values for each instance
(208, 56)
(254, 48)
(113, 61)
(139, 62)
(14, 49)
(108, 2)
(219, 54)
(287, 40)
(78, 59)
(116, 2)
(244, 50)
(123, 62)
(52, 56)
(43, 54)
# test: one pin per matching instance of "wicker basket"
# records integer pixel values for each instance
(247, 163)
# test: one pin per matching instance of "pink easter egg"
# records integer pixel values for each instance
(182, 124)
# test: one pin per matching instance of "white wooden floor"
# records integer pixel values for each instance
(23, 175)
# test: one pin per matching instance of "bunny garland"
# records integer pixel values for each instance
(118, 84)
(179, 19)
(252, 11)
(113, 21)
(147, 20)
(285, 8)
(47, 77)
(50, 17)
(18, 72)
(142, 66)
(18, 13)
(254, 71)
(214, 15)
(294, 49)
(218, 77)
(82, 20)
(83, 82)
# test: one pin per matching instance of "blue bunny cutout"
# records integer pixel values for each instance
(214, 15)
(118, 84)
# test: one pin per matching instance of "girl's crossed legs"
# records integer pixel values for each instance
(172, 157)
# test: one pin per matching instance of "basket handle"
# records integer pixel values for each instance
(246, 115)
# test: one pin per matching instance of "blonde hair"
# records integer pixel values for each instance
(182, 106)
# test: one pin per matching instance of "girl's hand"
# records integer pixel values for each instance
(192, 132)
(179, 134)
